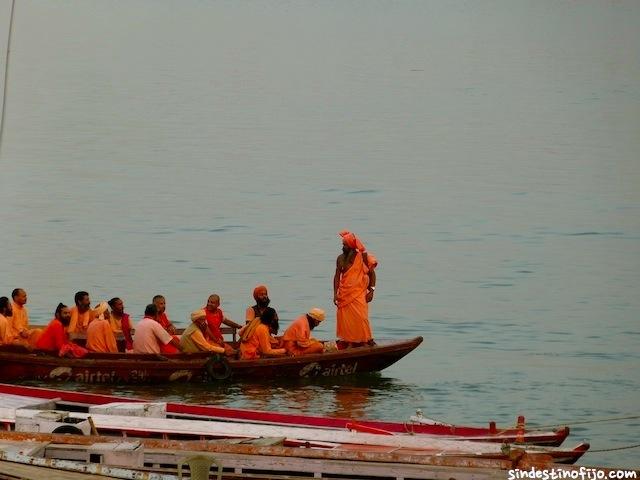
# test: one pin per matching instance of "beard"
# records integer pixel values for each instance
(263, 303)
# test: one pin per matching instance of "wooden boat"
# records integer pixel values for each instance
(81, 401)
(20, 364)
(33, 419)
(263, 459)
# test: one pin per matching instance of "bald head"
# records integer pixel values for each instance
(213, 302)
(19, 296)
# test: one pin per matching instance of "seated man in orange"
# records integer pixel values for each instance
(193, 338)
(19, 320)
(100, 336)
(161, 303)
(261, 296)
(215, 318)
(5, 326)
(81, 314)
(120, 322)
(55, 336)
(297, 338)
(255, 339)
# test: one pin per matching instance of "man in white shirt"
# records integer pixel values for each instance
(150, 335)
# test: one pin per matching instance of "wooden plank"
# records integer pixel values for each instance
(229, 429)
(273, 465)
(8, 400)
(32, 472)
(243, 449)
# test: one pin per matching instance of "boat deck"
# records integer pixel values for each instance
(20, 401)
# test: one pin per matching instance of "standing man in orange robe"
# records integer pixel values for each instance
(353, 286)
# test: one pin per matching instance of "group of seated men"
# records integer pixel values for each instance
(155, 333)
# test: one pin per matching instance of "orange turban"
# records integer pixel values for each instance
(258, 290)
(351, 241)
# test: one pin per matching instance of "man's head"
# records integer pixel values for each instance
(82, 300)
(270, 317)
(315, 316)
(200, 319)
(5, 307)
(351, 242)
(261, 296)
(19, 296)
(213, 302)
(151, 311)
(63, 314)
(160, 302)
(101, 309)
(117, 306)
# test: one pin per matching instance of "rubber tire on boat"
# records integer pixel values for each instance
(70, 429)
(218, 368)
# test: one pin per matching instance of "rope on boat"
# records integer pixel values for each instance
(614, 449)
(600, 420)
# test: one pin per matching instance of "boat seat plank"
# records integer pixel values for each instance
(273, 465)
(33, 449)
(265, 441)
(8, 400)
(32, 472)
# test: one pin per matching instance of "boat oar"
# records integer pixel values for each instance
(94, 430)
(356, 427)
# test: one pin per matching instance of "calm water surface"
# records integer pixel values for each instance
(486, 152)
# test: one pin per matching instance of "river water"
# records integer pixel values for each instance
(486, 152)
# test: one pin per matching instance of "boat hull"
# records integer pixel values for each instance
(119, 368)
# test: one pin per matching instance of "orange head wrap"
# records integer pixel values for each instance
(351, 241)
(258, 290)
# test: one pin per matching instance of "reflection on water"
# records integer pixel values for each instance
(350, 397)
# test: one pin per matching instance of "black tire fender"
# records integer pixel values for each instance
(69, 429)
(218, 367)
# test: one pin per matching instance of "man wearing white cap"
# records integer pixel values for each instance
(193, 339)
(297, 338)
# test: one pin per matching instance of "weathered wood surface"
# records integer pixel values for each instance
(10, 470)
(430, 445)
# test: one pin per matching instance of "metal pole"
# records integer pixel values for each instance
(6, 73)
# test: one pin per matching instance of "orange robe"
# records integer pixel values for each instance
(19, 326)
(100, 337)
(193, 341)
(353, 309)
(53, 338)
(297, 338)
(80, 321)
(168, 349)
(5, 330)
(258, 343)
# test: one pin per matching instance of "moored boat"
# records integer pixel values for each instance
(141, 426)
(256, 460)
(83, 401)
